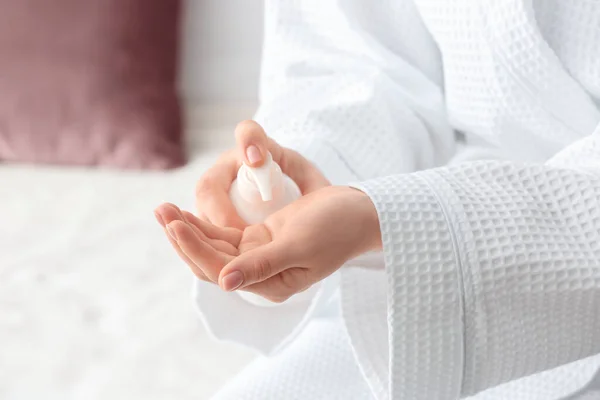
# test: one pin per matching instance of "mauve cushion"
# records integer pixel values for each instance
(90, 82)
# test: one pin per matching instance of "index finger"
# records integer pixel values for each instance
(251, 142)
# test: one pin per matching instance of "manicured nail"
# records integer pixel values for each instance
(172, 233)
(233, 280)
(159, 218)
(253, 154)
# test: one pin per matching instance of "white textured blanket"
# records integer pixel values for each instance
(94, 304)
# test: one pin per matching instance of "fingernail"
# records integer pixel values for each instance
(159, 218)
(233, 280)
(253, 154)
(172, 233)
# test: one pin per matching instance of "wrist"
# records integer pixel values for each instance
(368, 219)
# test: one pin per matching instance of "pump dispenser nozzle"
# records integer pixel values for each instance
(262, 178)
(259, 192)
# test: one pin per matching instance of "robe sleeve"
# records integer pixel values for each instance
(331, 89)
(493, 270)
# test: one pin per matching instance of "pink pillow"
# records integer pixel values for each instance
(90, 82)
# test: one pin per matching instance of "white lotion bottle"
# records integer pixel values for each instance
(261, 191)
(257, 193)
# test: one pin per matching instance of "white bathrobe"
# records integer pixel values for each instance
(473, 127)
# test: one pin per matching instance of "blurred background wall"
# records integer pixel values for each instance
(221, 50)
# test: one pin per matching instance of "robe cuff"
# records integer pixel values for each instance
(416, 349)
(228, 317)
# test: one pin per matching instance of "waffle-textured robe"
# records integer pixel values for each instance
(473, 125)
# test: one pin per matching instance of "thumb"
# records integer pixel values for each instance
(254, 266)
(252, 143)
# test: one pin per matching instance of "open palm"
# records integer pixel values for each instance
(294, 248)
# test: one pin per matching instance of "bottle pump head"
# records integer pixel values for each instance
(264, 178)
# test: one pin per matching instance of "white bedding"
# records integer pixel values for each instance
(94, 304)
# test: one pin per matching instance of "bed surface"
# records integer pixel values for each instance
(94, 304)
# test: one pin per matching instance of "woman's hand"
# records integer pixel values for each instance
(212, 190)
(294, 248)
